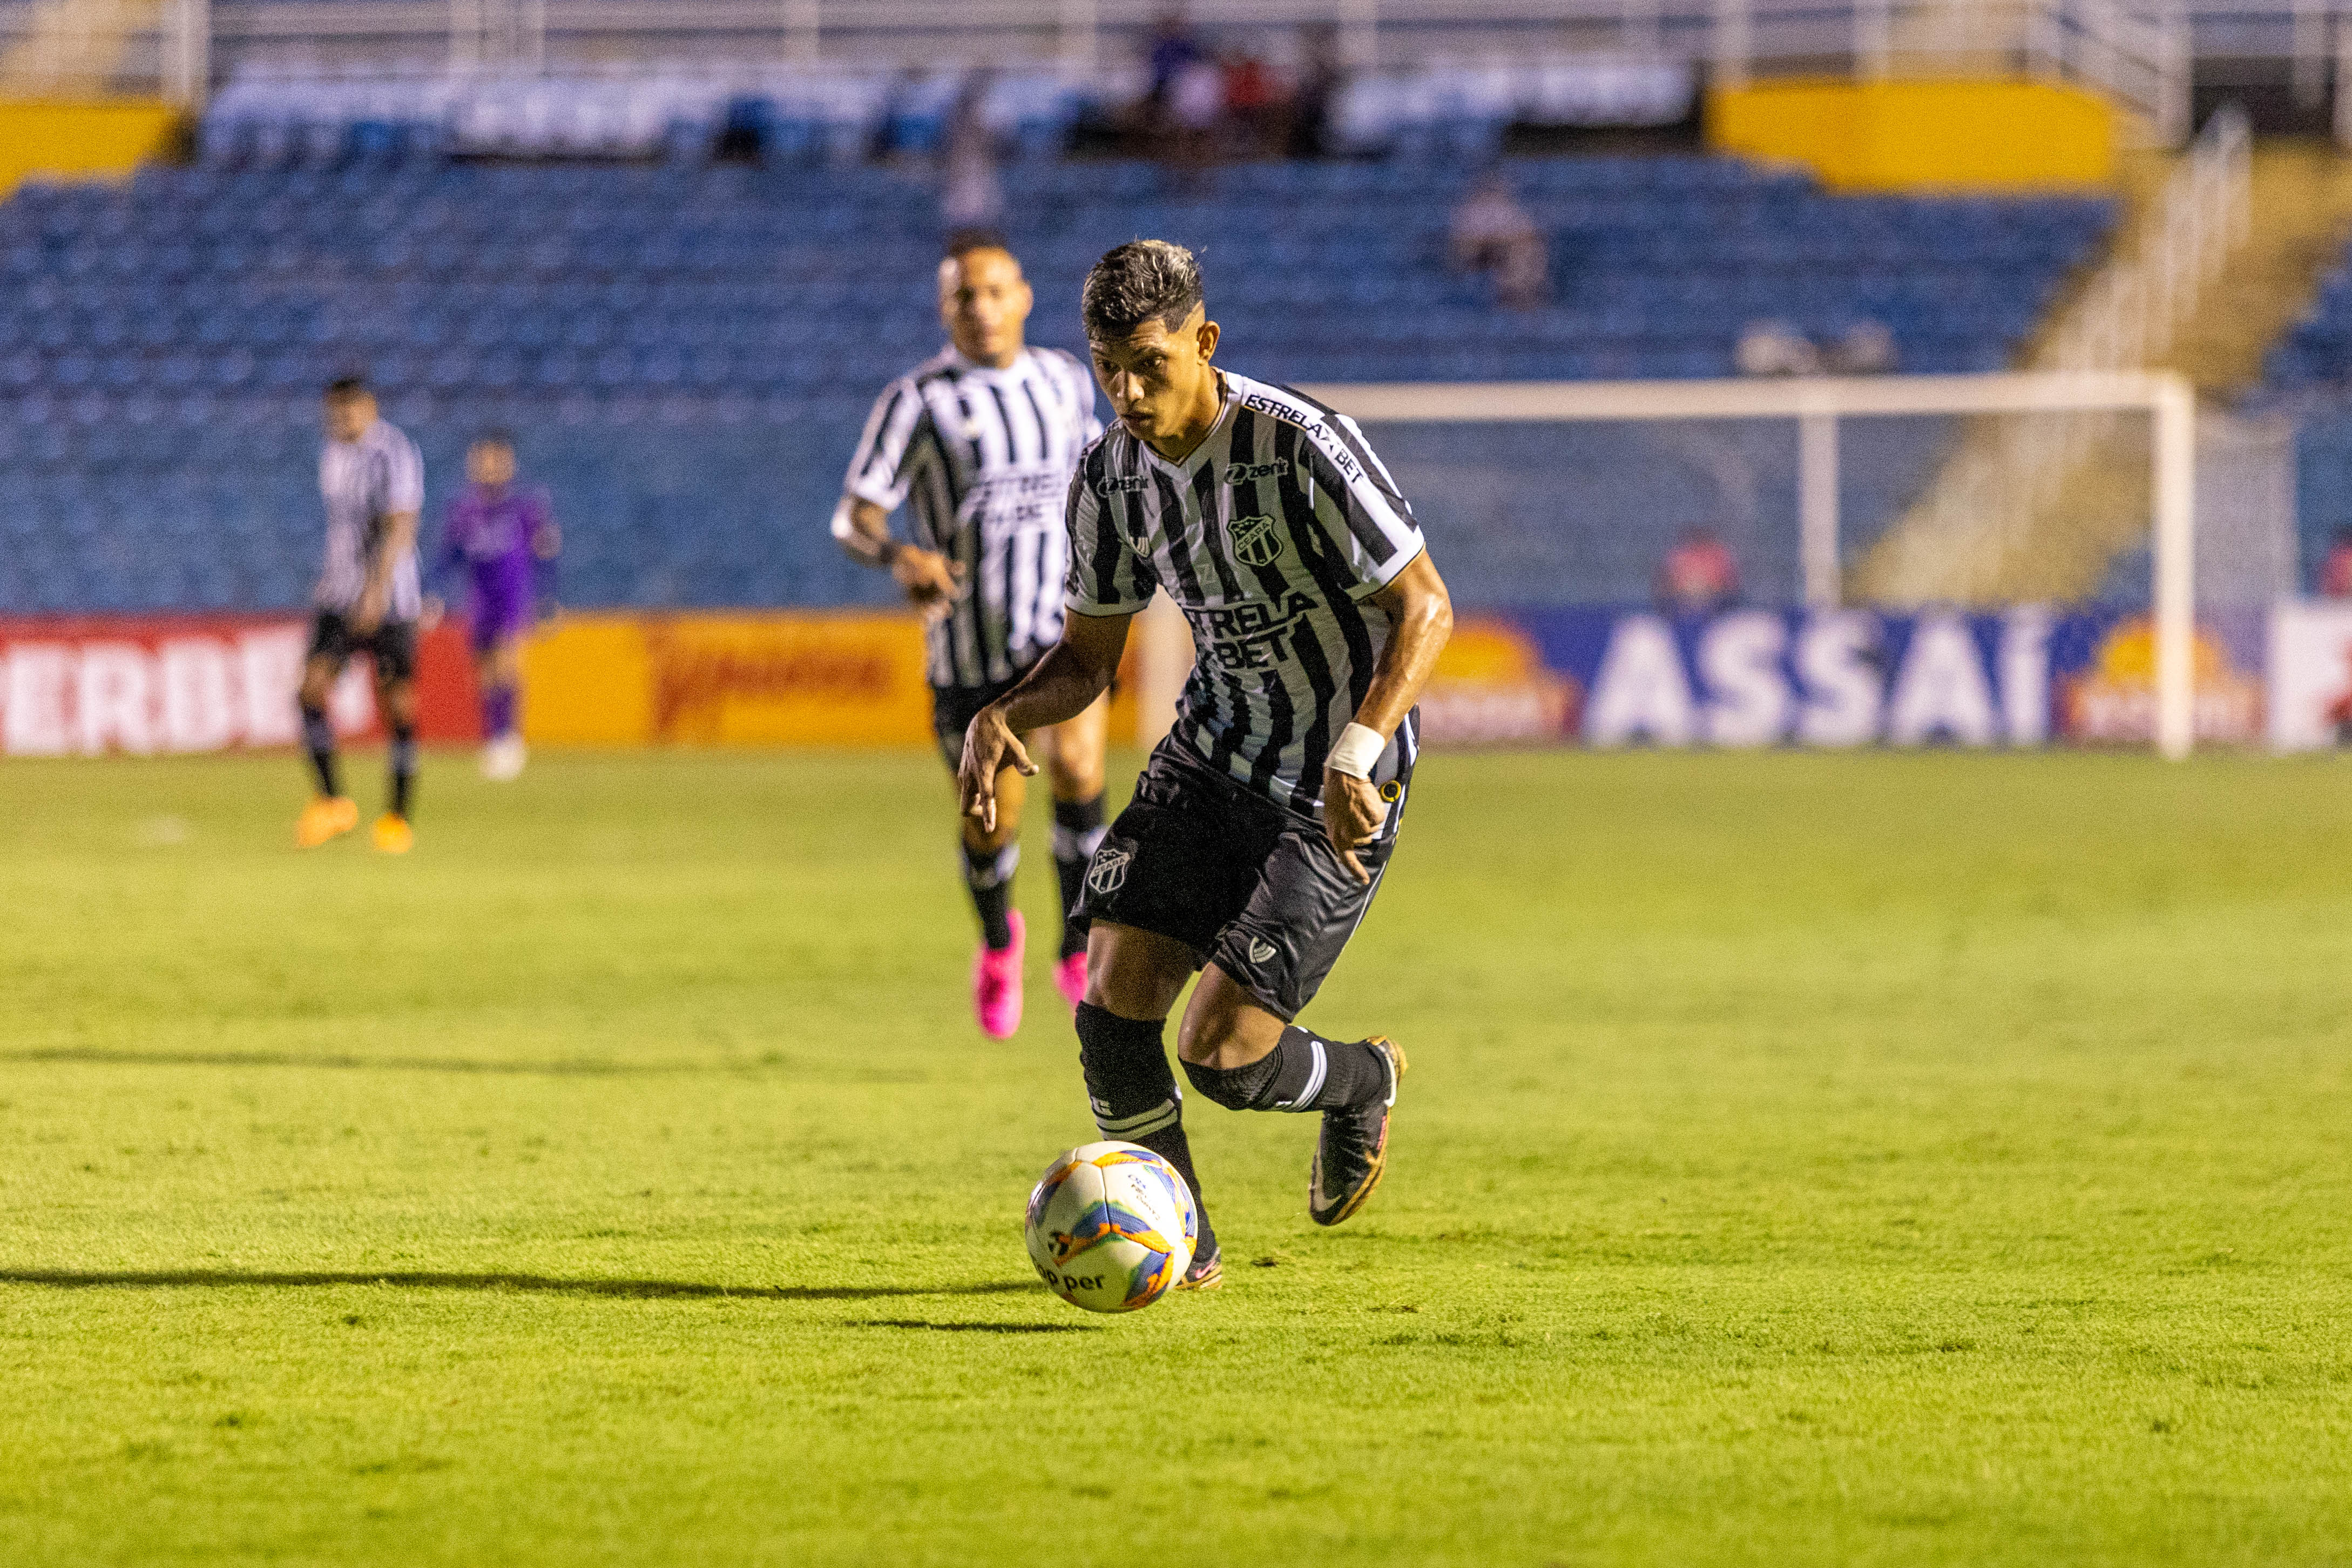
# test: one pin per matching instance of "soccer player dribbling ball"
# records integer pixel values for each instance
(505, 537)
(981, 440)
(368, 600)
(1264, 823)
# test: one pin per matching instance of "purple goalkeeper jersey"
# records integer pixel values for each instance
(494, 534)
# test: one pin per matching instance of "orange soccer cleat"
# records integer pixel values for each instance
(394, 835)
(326, 816)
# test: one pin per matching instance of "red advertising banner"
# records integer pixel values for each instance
(90, 685)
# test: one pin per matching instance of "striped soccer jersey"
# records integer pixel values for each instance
(364, 482)
(1269, 537)
(985, 457)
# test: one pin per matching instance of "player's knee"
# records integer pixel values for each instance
(1075, 778)
(982, 840)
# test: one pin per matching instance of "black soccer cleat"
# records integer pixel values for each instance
(1354, 1148)
(1205, 1274)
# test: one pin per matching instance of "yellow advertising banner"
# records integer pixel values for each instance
(734, 678)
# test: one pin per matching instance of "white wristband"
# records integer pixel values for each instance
(1355, 752)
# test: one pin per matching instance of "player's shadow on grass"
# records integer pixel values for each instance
(972, 1328)
(647, 1290)
(383, 1064)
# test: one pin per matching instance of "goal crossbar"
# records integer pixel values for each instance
(1818, 402)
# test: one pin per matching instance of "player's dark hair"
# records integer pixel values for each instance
(1142, 280)
(346, 386)
(963, 242)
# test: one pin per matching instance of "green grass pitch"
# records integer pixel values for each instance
(1866, 1159)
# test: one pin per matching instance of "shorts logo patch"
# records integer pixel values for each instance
(1261, 951)
(1109, 873)
(1255, 540)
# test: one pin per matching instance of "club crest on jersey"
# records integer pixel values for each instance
(1109, 873)
(1250, 473)
(1255, 540)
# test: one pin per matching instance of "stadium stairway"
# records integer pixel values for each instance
(2089, 540)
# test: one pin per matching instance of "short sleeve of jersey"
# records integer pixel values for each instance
(1082, 389)
(889, 450)
(1362, 512)
(404, 477)
(1107, 577)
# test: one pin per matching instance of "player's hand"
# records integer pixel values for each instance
(1353, 813)
(430, 615)
(990, 747)
(931, 581)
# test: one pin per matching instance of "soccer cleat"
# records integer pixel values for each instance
(502, 759)
(1070, 978)
(394, 835)
(326, 816)
(1205, 1274)
(996, 984)
(1354, 1148)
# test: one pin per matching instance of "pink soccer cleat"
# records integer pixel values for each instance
(996, 984)
(1070, 978)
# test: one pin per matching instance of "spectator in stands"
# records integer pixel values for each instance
(1775, 348)
(1194, 119)
(971, 194)
(1174, 48)
(1699, 575)
(2336, 571)
(1317, 86)
(1492, 233)
(1866, 348)
(1258, 105)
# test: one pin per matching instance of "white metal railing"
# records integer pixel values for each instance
(1983, 506)
(2137, 51)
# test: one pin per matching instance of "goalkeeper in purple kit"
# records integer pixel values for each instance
(505, 539)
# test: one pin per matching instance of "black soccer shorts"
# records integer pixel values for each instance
(953, 708)
(1256, 887)
(391, 646)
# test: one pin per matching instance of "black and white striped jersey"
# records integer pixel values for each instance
(984, 456)
(1269, 537)
(365, 482)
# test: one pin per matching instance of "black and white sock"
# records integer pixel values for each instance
(403, 767)
(319, 740)
(1077, 833)
(1135, 1097)
(1303, 1072)
(988, 873)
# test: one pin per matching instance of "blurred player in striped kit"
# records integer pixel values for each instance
(368, 600)
(979, 442)
(505, 540)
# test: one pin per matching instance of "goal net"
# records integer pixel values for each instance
(1828, 562)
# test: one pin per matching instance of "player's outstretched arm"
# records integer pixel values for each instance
(931, 581)
(1420, 617)
(1058, 686)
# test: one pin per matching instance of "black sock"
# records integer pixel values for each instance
(989, 874)
(403, 767)
(319, 740)
(1077, 834)
(1135, 1097)
(1303, 1072)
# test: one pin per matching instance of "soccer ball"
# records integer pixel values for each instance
(1112, 1226)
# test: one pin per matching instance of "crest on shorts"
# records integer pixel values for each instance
(1109, 873)
(1255, 540)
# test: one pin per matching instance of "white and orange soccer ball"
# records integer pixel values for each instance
(1112, 1226)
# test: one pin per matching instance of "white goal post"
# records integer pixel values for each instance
(1817, 404)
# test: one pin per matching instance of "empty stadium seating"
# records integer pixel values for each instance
(687, 350)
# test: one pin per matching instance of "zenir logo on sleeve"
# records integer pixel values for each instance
(1257, 540)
